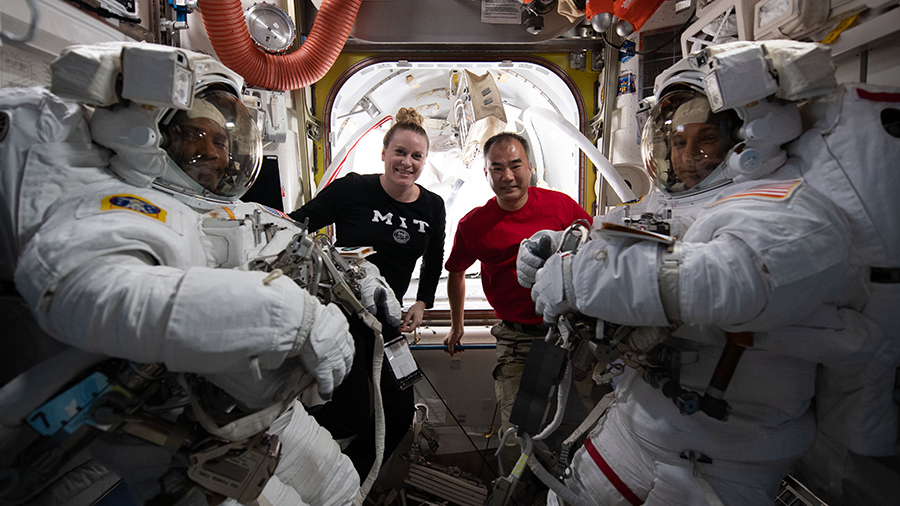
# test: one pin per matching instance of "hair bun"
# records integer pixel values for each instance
(409, 115)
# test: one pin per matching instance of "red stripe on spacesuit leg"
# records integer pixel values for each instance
(611, 475)
(878, 97)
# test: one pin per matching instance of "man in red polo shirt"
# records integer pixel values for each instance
(492, 234)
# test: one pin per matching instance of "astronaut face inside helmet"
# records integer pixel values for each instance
(215, 144)
(684, 143)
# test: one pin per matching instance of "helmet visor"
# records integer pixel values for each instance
(683, 142)
(215, 143)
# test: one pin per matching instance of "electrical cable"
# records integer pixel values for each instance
(8, 37)
(487, 440)
(657, 48)
(484, 460)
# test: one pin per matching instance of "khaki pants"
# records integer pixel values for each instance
(512, 350)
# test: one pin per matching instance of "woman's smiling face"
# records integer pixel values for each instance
(404, 158)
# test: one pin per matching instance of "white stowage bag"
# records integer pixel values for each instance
(851, 157)
(311, 463)
(850, 154)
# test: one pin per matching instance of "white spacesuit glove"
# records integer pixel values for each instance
(257, 389)
(533, 252)
(553, 292)
(375, 292)
(328, 352)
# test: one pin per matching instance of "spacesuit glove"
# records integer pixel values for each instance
(533, 252)
(328, 352)
(553, 292)
(644, 339)
(256, 390)
(375, 292)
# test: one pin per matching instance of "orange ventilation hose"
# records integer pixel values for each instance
(227, 30)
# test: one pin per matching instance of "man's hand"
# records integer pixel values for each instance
(375, 293)
(533, 252)
(413, 317)
(453, 338)
(553, 292)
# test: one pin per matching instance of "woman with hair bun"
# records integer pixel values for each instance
(403, 222)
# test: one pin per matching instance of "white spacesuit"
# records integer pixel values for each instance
(151, 258)
(760, 267)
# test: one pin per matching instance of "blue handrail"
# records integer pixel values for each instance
(458, 347)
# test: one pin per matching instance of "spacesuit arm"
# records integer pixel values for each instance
(200, 320)
(746, 264)
(725, 283)
(755, 265)
(717, 283)
(616, 280)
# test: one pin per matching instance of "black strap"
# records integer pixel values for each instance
(526, 328)
(885, 275)
(8, 289)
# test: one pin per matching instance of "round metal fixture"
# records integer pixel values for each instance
(270, 27)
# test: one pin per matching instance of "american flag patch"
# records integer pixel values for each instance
(274, 212)
(778, 191)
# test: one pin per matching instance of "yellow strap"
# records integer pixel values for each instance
(843, 25)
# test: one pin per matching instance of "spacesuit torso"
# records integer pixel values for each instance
(811, 280)
(111, 227)
(45, 134)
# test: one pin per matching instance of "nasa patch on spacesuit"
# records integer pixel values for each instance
(133, 203)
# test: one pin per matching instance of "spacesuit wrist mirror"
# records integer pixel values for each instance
(403, 365)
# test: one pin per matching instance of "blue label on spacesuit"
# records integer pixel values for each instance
(133, 203)
(67, 410)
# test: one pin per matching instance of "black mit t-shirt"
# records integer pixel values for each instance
(365, 215)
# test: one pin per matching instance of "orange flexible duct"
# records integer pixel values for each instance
(227, 30)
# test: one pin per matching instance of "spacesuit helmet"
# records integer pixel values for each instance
(684, 144)
(749, 90)
(172, 118)
(214, 148)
